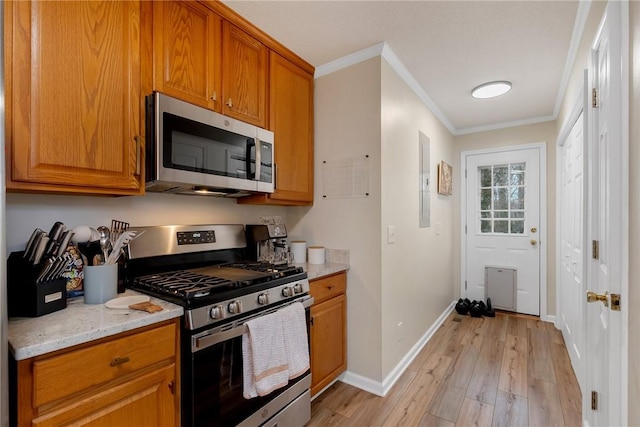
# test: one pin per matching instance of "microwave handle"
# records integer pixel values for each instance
(256, 143)
(251, 144)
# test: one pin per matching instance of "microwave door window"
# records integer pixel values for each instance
(197, 147)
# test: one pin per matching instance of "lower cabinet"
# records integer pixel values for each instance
(129, 380)
(328, 330)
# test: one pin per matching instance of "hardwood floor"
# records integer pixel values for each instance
(509, 370)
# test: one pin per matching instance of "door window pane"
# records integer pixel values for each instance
(500, 175)
(501, 226)
(517, 227)
(501, 198)
(485, 177)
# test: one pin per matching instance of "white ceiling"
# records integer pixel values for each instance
(447, 48)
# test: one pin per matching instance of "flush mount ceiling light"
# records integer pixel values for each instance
(491, 89)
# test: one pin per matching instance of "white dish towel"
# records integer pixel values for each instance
(296, 342)
(264, 358)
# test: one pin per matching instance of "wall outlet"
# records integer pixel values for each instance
(399, 332)
(391, 234)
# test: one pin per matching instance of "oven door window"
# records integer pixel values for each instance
(197, 147)
(217, 386)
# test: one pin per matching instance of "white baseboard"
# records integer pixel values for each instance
(550, 318)
(382, 388)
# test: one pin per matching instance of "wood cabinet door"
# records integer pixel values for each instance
(147, 400)
(328, 341)
(186, 42)
(244, 76)
(73, 96)
(291, 120)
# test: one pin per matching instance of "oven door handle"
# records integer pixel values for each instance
(218, 337)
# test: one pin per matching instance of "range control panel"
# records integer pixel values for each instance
(196, 237)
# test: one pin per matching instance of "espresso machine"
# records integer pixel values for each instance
(268, 243)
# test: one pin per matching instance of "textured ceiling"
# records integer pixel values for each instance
(448, 47)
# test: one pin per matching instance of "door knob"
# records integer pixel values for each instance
(593, 297)
(533, 242)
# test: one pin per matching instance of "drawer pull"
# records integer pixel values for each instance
(119, 361)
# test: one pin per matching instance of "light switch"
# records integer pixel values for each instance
(437, 228)
(391, 234)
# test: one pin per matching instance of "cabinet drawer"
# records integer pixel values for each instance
(68, 373)
(328, 287)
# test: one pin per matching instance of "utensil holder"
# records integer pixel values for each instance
(25, 298)
(100, 283)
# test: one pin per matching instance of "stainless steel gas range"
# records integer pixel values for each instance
(204, 269)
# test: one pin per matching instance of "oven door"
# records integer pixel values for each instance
(213, 384)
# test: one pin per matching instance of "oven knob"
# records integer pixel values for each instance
(287, 291)
(217, 312)
(297, 288)
(263, 299)
(235, 307)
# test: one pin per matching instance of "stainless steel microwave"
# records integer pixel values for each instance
(192, 150)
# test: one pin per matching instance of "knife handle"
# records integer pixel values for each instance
(40, 250)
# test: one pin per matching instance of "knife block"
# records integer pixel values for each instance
(25, 298)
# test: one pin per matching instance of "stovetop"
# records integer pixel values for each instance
(210, 284)
(204, 268)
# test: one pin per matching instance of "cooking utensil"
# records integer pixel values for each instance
(118, 247)
(105, 243)
(88, 250)
(117, 228)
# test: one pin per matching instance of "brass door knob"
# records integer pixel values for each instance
(533, 242)
(593, 297)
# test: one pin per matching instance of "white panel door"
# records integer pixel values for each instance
(606, 347)
(572, 246)
(503, 222)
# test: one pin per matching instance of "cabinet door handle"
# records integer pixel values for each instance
(119, 361)
(138, 140)
(230, 103)
(214, 96)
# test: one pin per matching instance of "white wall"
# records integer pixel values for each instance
(368, 109)
(347, 124)
(417, 270)
(28, 211)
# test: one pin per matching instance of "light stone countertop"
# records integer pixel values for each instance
(316, 271)
(80, 323)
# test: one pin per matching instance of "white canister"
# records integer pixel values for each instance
(299, 251)
(316, 254)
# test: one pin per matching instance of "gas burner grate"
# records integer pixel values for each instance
(185, 284)
(277, 270)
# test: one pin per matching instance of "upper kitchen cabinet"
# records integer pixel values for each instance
(186, 43)
(244, 76)
(205, 60)
(291, 120)
(73, 98)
